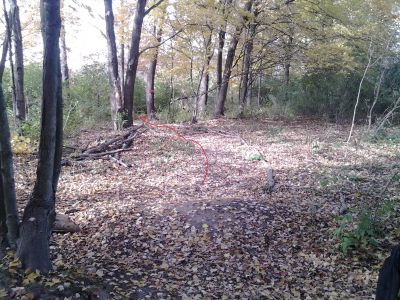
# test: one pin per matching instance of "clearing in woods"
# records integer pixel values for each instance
(155, 230)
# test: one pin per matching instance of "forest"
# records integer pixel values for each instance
(206, 149)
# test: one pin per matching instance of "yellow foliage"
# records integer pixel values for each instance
(21, 145)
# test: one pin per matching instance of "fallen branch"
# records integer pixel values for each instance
(108, 148)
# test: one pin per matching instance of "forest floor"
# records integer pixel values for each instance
(155, 231)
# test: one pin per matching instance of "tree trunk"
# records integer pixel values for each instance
(245, 78)
(39, 214)
(221, 42)
(151, 74)
(230, 56)
(20, 107)
(7, 17)
(3, 57)
(205, 78)
(113, 76)
(122, 64)
(64, 57)
(133, 60)
(7, 176)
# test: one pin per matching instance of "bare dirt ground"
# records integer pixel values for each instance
(154, 231)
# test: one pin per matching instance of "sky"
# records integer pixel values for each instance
(84, 39)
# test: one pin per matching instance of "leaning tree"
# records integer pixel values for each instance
(39, 214)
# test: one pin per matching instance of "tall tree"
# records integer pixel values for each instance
(20, 105)
(64, 50)
(150, 79)
(247, 60)
(113, 74)
(151, 70)
(7, 185)
(221, 41)
(8, 205)
(39, 214)
(230, 56)
(133, 58)
(205, 75)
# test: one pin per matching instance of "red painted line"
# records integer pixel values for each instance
(181, 136)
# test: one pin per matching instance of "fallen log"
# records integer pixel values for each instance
(389, 277)
(64, 224)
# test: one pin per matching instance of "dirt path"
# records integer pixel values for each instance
(154, 230)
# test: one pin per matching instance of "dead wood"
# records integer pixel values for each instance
(64, 224)
(114, 146)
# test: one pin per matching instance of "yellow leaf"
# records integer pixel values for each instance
(15, 263)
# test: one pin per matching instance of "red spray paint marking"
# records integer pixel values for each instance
(181, 136)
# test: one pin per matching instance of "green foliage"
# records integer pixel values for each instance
(86, 102)
(361, 229)
(255, 157)
(384, 136)
(140, 96)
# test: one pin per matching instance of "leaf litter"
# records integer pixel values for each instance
(154, 231)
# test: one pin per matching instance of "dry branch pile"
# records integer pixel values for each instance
(111, 147)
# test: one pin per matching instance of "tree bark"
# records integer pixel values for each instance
(221, 42)
(113, 75)
(205, 78)
(7, 176)
(245, 78)
(64, 52)
(20, 106)
(133, 60)
(39, 214)
(151, 74)
(230, 56)
(3, 57)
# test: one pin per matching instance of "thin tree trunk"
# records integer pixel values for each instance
(3, 57)
(64, 58)
(133, 60)
(221, 42)
(113, 76)
(376, 97)
(359, 92)
(7, 17)
(122, 64)
(259, 90)
(205, 78)
(39, 214)
(247, 58)
(151, 74)
(20, 105)
(7, 176)
(222, 93)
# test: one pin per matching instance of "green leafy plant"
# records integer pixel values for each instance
(362, 229)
